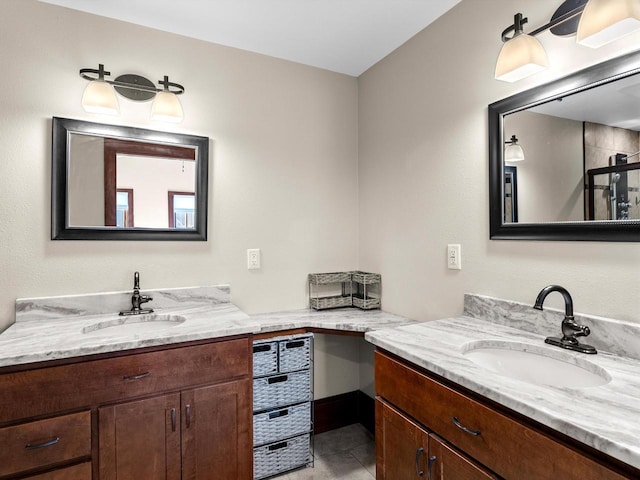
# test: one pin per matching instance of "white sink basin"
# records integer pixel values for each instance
(134, 324)
(536, 364)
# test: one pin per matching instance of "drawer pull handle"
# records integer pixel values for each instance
(277, 446)
(432, 459)
(419, 472)
(281, 413)
(282, 378)
(173, 419)
(35, 446)
(295, 344)
(261, 348)
(188, 414)
(457, 423)
(129, 378)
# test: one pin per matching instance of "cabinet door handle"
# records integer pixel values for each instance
(173, 419)
(35, 446)
(432, 459)
(129, 378)
(188, 415)
(470, 431)
(419, 472)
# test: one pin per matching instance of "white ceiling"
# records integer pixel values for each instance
(346, 36)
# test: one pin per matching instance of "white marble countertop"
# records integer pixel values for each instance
(605, 417)
(65, 327)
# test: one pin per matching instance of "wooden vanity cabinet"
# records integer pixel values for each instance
(405, 450)
(174, 412)
(467, 433)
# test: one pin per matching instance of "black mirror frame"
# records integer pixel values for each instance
(60, 230)
(603, 231)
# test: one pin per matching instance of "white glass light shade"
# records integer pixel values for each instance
(513, 153)
(100, 97)
(604, 21)
(520, 57)
(166, 108)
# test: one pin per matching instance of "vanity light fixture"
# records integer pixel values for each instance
(604, 21)
(596, 23)
(100, 95)
(521, 55)
(513, 151)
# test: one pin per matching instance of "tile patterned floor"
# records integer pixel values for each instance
(345, 453)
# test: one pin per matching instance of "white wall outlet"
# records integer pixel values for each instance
(253, 258)
(454, 256)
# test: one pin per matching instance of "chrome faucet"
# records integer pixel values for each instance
(137, 299)
(570, 329)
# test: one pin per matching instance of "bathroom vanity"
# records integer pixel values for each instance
(441, 415)
(146, 413)
(88, 394)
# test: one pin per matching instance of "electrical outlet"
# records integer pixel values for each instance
(454, 256)
(253, 258)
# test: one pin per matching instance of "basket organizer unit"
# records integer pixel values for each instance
(282, 396)
(344, 289)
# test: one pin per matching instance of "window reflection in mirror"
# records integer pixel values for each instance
(125, 184)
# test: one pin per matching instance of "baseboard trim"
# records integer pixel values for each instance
(345, 409)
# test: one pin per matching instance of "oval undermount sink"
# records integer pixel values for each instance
(133, 324)
(536, 364)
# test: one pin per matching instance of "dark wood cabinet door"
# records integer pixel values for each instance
(140, 439)
(217, 433)
(401, 446)
(448, 464)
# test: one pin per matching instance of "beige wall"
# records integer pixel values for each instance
(423, 174)
(86, 181)
(283, 161)
(551, 178)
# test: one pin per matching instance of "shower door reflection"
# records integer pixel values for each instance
(614, 192)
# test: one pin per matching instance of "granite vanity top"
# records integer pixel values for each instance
(64, 327)
(605, 417)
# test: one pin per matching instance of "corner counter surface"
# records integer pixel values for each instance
(53, 328)
(604, 417)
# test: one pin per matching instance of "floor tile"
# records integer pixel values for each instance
(341, 440)
(346, 453)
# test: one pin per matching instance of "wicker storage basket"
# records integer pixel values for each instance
(326, 278)
(281, 456)
(294, 354)
(265, 358)
(366, 278)
(366, 303)
(279, 390)
(285, 422)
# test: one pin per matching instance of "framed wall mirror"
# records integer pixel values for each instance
(112, 182)
(579, 179)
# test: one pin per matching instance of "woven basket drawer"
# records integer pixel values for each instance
(280, 390)
(273, 425)
(265, 358)
(295, 354)
(281, 456)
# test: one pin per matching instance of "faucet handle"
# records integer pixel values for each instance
(136, 281)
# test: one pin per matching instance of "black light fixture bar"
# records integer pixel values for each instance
(92, 74)
(555, 21)
(559, 20)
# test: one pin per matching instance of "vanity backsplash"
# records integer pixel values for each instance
(112, 302)
(607, 334)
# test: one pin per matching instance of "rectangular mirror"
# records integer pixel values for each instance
(112, 182)
(581, 141)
